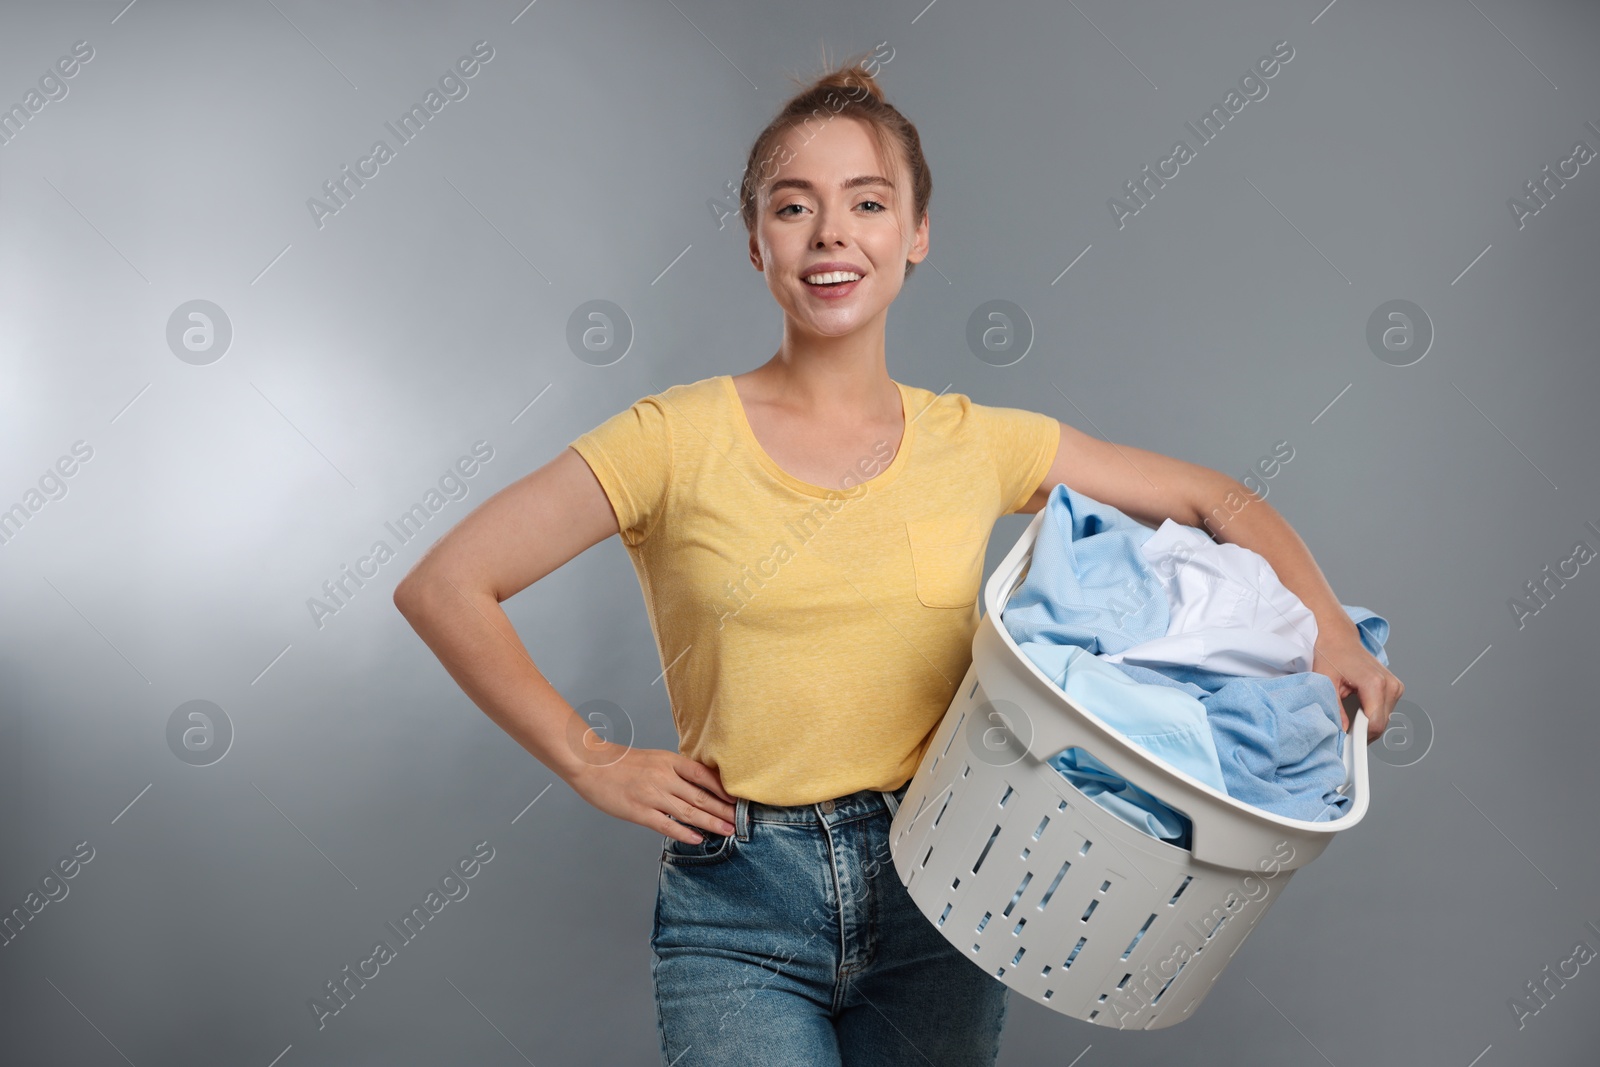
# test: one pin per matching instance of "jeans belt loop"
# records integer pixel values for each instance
(741, 819)
(891, 802)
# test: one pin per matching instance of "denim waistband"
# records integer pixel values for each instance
(861, 803)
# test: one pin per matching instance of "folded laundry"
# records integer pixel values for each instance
(1228, 612)
(1279, 740)
(1211, 674)
(1084, 580)
(1168, 721)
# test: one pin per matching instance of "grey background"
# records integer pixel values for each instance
(370, 353)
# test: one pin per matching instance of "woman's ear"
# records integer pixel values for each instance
(919, 241)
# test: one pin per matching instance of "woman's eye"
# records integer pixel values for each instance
(877, 206)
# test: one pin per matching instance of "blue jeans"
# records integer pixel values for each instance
(792, 942)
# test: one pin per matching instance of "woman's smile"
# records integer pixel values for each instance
(835, 288)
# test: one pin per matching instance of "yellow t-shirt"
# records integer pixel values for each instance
(813, 637)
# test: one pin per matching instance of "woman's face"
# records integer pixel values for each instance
(809, 216)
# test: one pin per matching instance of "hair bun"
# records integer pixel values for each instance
(851, 80)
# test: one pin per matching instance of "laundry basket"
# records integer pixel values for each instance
(1055, 896)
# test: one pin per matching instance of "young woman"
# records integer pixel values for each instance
(809, 538)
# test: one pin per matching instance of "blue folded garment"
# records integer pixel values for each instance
(1373, 629)
(1122, 798)
(1087, 583)
(1169, 725)
(1279, 740)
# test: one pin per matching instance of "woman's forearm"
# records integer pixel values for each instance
(1233, 514)
(473, 638)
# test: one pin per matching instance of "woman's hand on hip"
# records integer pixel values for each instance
(664, 791)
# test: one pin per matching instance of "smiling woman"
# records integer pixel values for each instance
(815, 701)
(845, 515)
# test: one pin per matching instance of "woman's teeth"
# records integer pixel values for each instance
(837, 277)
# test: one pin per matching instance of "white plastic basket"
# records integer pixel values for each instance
(1055, 896)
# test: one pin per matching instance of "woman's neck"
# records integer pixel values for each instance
(829, 381)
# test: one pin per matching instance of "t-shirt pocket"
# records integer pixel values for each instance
(947, 555)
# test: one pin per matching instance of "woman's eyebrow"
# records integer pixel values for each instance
(848, 183)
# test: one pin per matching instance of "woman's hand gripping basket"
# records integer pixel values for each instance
(1055, 896)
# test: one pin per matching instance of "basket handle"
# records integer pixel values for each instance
(1355, 762)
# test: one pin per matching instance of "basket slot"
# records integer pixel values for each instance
(1026, 878)
(1131, 944)
(1186, 880)
(1168, 983)
(1093, 904)
(987, 846)
(1074, 953)
(955, 732)
(1048, 893)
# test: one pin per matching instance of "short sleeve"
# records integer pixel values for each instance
(1023, 446)
(631, 456)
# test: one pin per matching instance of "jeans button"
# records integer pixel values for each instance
(827, 807)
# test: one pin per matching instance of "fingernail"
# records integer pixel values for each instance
(698, 838)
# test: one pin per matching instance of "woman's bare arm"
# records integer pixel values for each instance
(451, 597)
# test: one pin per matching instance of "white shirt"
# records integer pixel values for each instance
(1229, 613)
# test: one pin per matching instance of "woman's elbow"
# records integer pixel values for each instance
(426, 585)
(407, 593)
(415, 589)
